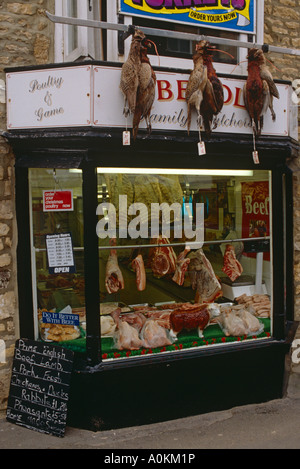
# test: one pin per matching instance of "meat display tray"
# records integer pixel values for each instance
(242, 281)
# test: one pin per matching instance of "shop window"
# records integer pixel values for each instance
(198, 273)
(76, 42)
(57, 254)
(180, 48)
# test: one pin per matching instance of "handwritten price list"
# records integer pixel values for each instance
(39, 388)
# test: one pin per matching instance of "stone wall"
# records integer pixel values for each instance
(282, 28)
(26, 38)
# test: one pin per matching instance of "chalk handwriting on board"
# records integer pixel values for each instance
(39, 387)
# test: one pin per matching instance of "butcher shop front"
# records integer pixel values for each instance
(167, 272)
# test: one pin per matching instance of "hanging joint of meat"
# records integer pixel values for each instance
(113, 276)
(182, 263)
(232, 266)
(203, 279)
(139, 267)
(163, 258)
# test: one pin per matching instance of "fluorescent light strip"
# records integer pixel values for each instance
(193, 172)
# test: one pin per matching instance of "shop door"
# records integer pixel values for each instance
(57, 254)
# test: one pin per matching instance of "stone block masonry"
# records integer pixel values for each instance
(27, 38)
(282, 20)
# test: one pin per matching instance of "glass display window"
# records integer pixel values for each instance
(184, 259)
(57, 254)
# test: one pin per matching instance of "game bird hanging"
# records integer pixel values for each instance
(204, 91)
(259, 91)
(137, 83)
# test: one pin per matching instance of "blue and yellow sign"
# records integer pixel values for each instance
(232, 15)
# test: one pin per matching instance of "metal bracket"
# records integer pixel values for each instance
(170, 34)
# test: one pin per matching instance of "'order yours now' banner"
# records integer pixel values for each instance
(232, 15)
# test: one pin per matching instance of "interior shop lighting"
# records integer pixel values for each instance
(179, 171)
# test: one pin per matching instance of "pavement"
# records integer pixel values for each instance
(270, 425)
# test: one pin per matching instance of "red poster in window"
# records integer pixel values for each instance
(58, 201)
(255, 214)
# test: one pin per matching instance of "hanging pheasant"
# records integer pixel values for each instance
(196, 85)
(146, 90)
(213, 96)
(130, 71)
(259, 90)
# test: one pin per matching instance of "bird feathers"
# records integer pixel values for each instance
(129, 73)
(259, 90)
(138, 81)
(204, 89)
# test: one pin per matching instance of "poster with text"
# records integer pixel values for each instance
(230, 15)
(256, 215)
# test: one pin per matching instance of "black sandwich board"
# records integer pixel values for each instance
(39, 387)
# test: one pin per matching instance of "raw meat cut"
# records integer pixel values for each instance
(163, 258)
(237, 321)
(203, 278)
(139, 267)
(252, 323)
(126, 337)
(182, 264)
(232, 324)
(193, 318)
(113, 278)
(154, 335)
(260, 305)
(231, 266)
(136, 320)
(161, 317)
(108, 325)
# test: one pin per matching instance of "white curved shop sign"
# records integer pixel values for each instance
(89, 95)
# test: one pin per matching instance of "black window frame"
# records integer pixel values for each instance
(92, 149)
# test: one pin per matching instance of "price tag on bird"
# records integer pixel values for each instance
(255, 157)
(201, 148)
(126, 137)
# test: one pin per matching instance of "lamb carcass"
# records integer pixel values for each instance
(113, 277)
(231, 266)
(182, 263)
(203, 278)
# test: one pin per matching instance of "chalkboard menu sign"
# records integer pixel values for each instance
(39, 388)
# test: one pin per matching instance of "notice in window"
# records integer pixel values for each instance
(58, 201)
(60, 253)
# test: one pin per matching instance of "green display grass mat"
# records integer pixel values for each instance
(185, 340)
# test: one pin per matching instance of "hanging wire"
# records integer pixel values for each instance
(170, 34)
